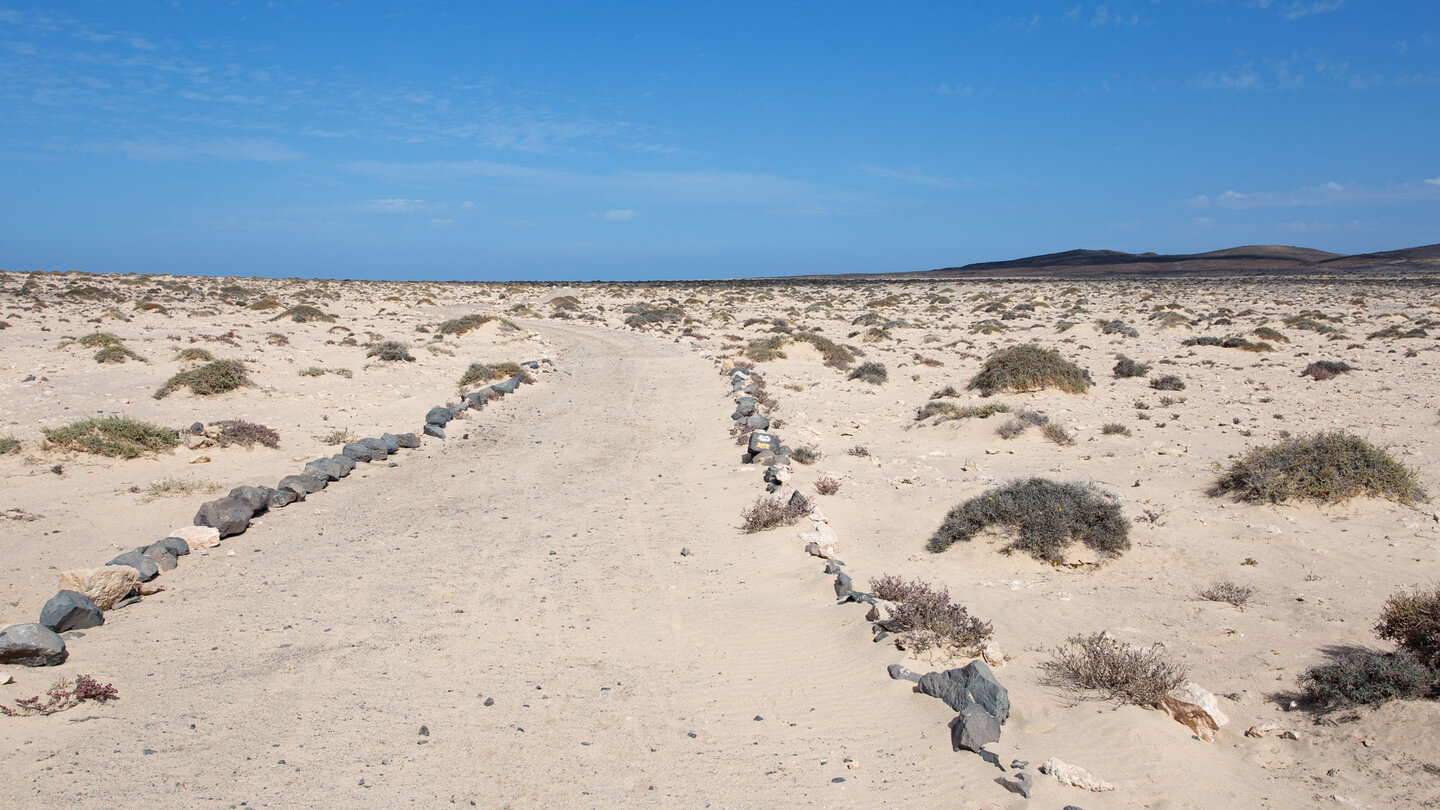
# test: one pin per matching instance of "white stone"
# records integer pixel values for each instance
(1074, 776)
(1197, 709)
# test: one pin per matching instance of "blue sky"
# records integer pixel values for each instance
(585, 140)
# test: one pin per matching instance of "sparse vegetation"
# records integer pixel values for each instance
(194, 354)
(63, 694)
(246, 434)
(8, 445)
(391, 351)
(870, 372)
(337, 436)
(1126, 367)
(1229, 592)
(1057, 434)
(167, 487)
(770, 513)
(1118, 671)
(1028, 367)
(215, 377)
(859, 451)
(463, 324)
(949, 411)
(1114, 429)
(1167, 382)
(1046, 517)
(805, 455)
(827, 485)
(304, 313)
(832, 354)
(320, 371)
(116, 353)
(113, 436)
(763, 350)
(479, 373)
(1359, 677)
(1326, 370)
(927, 619)
(1411, 619)
(1325, 468)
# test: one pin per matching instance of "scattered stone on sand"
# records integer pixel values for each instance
(70, 610)
(1197, 709)
(226, 515)
(1074, 776)
(144, 566)
(197, 536)
(106, 587)
(31, 645)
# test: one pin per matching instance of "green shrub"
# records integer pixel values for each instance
(114, 436)
(1126, 367)
(215, 377)
(194, 353)
(304, 313)
(1268, 333)
(1326, 468)
(98, 340)
(1167, 382)
(1411, 619)
(1365, 677)
(8, 445)
(1028, 367)
(266, 303)
(949, 411)
(870, 372)
(463, 324)
(1118, 328)
(1114, 429)
(1046, 517)
(479, 373)
(115, 353)
(391, 351)
(927, 619)
(832, 354)
(762, 350)
(320, 371)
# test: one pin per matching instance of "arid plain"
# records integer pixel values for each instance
(518, 588)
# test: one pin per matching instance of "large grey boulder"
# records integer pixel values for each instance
(326, 467)
(761, 442)
(439, 416)
(346, 463)
(435, 430)
(971, 685)
(283, 497)
(391, 442)
(973, 729)
(226, 515)
(253, 497)
(476, 399)
(304, 484)
(745, 406)
(507, 386)
(146, 567)
(175, 545)
(755, 422)
(31, 645)
(408, 440)
(70, 610)
(378, 449)
(356, 451)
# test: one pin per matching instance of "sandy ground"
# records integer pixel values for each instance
(537, 562)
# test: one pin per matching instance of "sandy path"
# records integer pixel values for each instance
(536, 563)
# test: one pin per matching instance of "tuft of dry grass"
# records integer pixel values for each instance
(827, 485)
(771, 513)
(1118, 671)
(1229, 592)
(926, 617)
(171, 487)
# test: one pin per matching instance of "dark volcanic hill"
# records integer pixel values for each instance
(1246, 260)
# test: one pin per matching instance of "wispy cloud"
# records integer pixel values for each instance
(1297, 72)
(260, 150)
(1326, 194)
(616, 215)
(400, 206)
(915, 177)
(1296, 9)
(1101, 16)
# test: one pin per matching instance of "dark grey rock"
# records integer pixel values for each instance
(356, 452)
(844, 586)
(476, 399)
(763, 457)
(833, 567)
(747, 388)
(900, 673)
(973, 729)
(174, 545)
(346, 463)
(146, 566)
(799, 501)
(197, 428)
(761, 441)
(283, 497)
(439, 416)
(159, 555)
(391, 442)
(1021, 783)
(378, 447)
(325, 467)
(744, 406)
(227, 515)
(31, 645)
(435, 431)
(409, 440)
(490, 393)
(70, 610)
(507, 386)
(756, 422)
(304, 484)
(28, 378)
(253, 497)
(972, 685)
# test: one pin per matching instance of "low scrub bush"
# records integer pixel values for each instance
(320, 371)
(870, 372)
(1364, 678)
(304, 313)
(391, 351)
(1411, 619)
(98, 340)
(1118, 671)
(1029, 368)
(116, 353)
(827, 485)
(1326, 370)
(63, 694)
(194, 354)
(1057, 434)
(1325, 467)
(1229, 592)
(215, 377)
(949, 411)
(246, 434)
(1118, 328)
(1126, 367)
(762, 350)
(480, 373)
(1167, 382)
(1270, 333)
(927, 619)
(8, 445)
(832, 354)
(1114, 429)
(1046, 517)
(771, 513)
(859, 451)
(464, 323)
(948, 392)
(113, 436)
(805, 455)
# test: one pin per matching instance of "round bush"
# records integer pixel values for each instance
(1028, 367)
(1326, 468)
(1046, 515)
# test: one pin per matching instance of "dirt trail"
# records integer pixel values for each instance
(537, 564)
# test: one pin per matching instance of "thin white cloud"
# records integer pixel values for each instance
(1325, 194)
(914, 177)
(616, 215)
(1434, 181)
(260, 150)
(400, 206)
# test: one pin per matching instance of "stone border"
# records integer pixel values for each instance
(85, 594)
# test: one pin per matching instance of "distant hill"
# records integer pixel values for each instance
(1245, 260)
